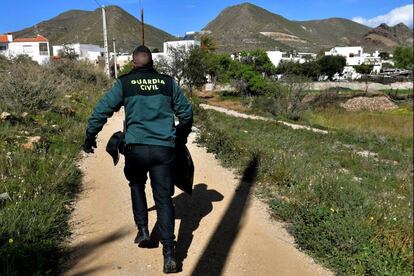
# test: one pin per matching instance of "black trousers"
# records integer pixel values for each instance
(159, 161)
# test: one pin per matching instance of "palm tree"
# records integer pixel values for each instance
(208, 44)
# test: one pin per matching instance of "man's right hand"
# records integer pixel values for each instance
(89, 145)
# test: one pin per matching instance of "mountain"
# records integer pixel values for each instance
(326, 33)
(246, 27)
(86, 27)
(387, 38)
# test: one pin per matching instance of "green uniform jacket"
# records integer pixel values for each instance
(151, 100)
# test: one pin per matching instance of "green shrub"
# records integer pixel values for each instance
(403, 57)
(283, 98)
(4, 63)
(42, 181)
(29, 88)
(24, 59)
(79, 71)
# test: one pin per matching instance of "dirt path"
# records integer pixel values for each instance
(221, 229)
(254, 117)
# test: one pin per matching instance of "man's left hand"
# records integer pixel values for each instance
(89, 145)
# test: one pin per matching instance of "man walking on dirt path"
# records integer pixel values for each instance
(150, 100)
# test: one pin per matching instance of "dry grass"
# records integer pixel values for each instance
(396, 124)
(217, 99)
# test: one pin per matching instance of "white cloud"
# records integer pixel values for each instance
(402, 14)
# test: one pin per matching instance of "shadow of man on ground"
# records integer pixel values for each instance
(190, 210)
(214, 257)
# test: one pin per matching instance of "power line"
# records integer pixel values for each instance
(99, 4)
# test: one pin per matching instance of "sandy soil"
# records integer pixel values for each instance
(222, 229)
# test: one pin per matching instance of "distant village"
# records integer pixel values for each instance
(38, 49)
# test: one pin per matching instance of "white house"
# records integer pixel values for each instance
(168, 45)
(37, 47)
(278, 56)
(5, 40)
(354, 55)
(123, 58)
(87, 52)
(275, 57)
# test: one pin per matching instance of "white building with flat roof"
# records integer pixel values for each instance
(354, 55)
(187, 44)
(87, 52)
(36, 48)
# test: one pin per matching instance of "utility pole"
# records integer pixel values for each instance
(115, 66)
(105, 34)
(142, 27)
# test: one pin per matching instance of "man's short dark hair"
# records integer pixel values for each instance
(142, 56)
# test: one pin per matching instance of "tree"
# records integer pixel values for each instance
(68, 52)
(384, 55)
(217, 66)
(364, 69)
(259, 60)
(208, 44)
(286, 97)
(387, 65)
(248, 82)
(330, 65)
(288, 68)
(309, 69)
(403, 57)
(175, 63)
(195, 69)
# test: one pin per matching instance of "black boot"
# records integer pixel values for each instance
(170, 263)
(143, 237)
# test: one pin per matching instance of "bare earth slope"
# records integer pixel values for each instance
(221, 229)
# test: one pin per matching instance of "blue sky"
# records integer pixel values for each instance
(179, 16)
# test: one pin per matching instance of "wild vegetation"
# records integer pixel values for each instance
(346, 195)
(44, 111)
(351, 210)
(403, 57)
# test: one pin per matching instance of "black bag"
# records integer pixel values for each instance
(184, 169)
(116, 145)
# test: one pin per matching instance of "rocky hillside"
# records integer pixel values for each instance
(247, 26)
(387, 38)
(86, 27)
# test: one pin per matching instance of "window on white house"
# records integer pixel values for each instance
(3, 47)
(43, 49)
(27, 49)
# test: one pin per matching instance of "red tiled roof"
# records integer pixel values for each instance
(38, 38)
(3, 38)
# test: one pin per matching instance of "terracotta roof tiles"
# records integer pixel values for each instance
(3, 38)
(38, 38)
